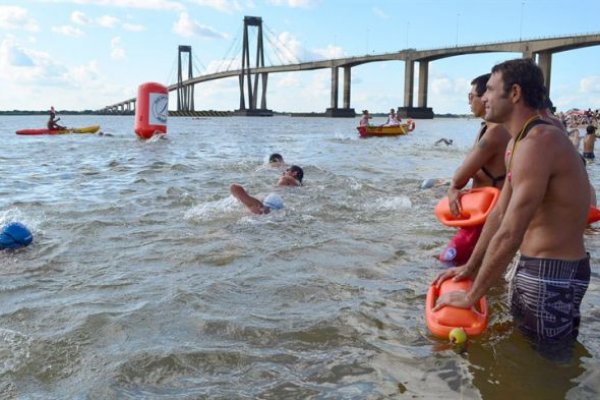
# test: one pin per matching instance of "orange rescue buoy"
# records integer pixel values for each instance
(476, 205)
(151, 110)
(593, 215)
(441, 322)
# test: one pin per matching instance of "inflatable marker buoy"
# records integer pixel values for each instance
(443, 321)
(14, 236)
(476, 205)
(151, 110)
(593, 215)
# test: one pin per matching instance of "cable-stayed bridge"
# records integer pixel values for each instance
(253, 74)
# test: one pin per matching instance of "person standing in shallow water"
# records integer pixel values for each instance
(483, 166)
(542, 212)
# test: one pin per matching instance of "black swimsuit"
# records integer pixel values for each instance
(495, 179)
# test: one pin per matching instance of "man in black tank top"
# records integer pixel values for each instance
(483, 166)
(542, 212)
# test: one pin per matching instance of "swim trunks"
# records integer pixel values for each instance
(461, 246)
(589, 156)
(273, 201)
(546, 295)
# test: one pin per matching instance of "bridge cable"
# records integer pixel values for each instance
(281, 45)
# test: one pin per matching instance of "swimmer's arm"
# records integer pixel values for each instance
(252, 203)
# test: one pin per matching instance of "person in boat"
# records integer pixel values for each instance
(542, 212)
(364, 121)
(392, 119)
(483, 166)
(588, 142)
(291, 177)
(53, 121)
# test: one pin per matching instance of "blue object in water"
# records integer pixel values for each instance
(14, 236)
(273, 201)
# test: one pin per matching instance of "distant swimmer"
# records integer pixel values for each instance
(588, 143)
(447, 142)
(276, 160)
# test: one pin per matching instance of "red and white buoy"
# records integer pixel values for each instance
(151, 110)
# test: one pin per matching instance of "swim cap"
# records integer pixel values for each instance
(428, 183)
(273, 201)
(14, 236)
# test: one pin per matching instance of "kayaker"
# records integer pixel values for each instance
(53, 121)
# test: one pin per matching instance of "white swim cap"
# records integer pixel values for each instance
(428, 183)
(273, 201)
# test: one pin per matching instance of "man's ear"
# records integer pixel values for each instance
(515, 93)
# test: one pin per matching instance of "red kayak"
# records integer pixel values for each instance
(87, 129)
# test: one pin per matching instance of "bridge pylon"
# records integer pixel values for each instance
(246, 74)
(185, 93)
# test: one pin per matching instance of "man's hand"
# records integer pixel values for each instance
(454, 201)
(457, 299)
(457, 273)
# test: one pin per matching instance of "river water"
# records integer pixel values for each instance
(147, 280)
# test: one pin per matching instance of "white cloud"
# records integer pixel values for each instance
(227, 6)
(380, 13)
(187, 27)
(17, 18)
(168, 5)
(330, 52)
(117, 51)
(107, 21)
(79, 18)
(133, 27)
(293, 3)
(68, 30)
(589, 84)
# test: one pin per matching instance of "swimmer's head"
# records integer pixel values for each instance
(275, 158)
(296, 172)
(273, 201)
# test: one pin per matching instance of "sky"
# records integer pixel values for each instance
(87, 54)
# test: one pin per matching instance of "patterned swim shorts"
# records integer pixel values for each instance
(546, 295)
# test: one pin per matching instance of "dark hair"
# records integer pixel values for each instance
(275, 157)
(299, 172)
(547, 103)
(480, 83)
(525, 73)
(590, 129)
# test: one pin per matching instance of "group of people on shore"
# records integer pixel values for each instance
(541, 213)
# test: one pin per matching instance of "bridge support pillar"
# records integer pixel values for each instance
(545, 64)
(246, 74)
(333, 111)
(408, 111)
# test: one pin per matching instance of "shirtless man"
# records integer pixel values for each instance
(484, 165)
(588, 143)
(291, 177)
(542, 212)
